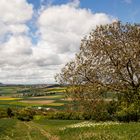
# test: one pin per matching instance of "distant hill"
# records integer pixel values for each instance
(1, 84)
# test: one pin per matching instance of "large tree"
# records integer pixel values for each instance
(109, 60)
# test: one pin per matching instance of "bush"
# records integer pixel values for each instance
(25, 114)
(97, 111)
(10, 112)
(59, 115)
(112, 108)
(130, 113)
(65, 115)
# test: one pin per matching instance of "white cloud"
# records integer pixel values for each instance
(60, 29)
(13, 16)
(16, 51)
(15, 11)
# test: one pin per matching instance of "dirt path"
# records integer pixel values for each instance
(46, 134)
(29, 130)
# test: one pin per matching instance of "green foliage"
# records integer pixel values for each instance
(10, 112)
(112, 107)
(129, 112)
(25, 114)
(65, 115)
(98, 110)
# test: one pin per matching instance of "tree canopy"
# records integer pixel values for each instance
(109, 60)
(109, 56)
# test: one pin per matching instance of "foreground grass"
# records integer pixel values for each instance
(102, 132)
(43, 129)
(88, 130)
(16, 130)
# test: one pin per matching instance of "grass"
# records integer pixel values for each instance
(17, 130)
(44, 129)
(103, 132)
(6, 125)
(9, 90)
(79, 130)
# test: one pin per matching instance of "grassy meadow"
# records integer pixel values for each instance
(44, 129)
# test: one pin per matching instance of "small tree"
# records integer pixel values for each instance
(9, 112)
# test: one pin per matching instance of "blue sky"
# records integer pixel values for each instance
(38, 37)
(124, 10)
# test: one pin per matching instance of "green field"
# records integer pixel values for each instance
(43, 129)
(9, 90)
(10, 97)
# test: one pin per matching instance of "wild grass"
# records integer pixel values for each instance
(44, 129)
(102, 132)
(16, 130)
(89, 130)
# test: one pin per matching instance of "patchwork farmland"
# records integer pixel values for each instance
(17, 96)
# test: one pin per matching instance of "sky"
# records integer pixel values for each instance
(38, 37)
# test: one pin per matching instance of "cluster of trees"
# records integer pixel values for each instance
(23, 114)
(108, 62)
(33, 93)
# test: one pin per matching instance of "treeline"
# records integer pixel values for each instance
(34, 92)
(104, 113)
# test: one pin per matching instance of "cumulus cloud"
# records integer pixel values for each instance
(62, 27)
(13, 16)
(59, 29)
(15, 11)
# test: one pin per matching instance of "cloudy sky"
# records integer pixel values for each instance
(37, 37)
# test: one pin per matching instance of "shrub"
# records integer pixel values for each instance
(97, 112)
(10, 112)
(65, 115)
(25, 114)
(129, 113)
(112, 108)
